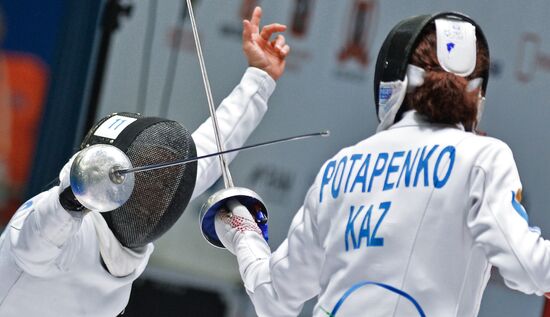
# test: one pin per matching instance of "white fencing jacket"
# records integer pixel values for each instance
(404, 223)
(49, 260)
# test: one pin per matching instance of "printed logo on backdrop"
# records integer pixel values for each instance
(496, 68)
(234, 28)
(301, 16)
(299, 23)
(275, 180)
(354, 55)
(179, 37)
(531, 59)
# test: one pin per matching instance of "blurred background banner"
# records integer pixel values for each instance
(28, 34)
(150, 66)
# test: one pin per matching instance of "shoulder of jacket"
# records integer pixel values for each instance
(488, 150)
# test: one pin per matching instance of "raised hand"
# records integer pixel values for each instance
(260, 51)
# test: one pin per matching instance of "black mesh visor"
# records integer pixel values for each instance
(159, 196)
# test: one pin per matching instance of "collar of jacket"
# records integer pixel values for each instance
(413, 118)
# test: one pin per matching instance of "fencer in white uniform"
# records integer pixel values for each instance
(59, 263)
(410, 221)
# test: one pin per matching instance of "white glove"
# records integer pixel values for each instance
(66, 196)
(64, 175)
(240, 234)
(230, 226)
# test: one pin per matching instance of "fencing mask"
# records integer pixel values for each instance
(159, 196)
(457, 37)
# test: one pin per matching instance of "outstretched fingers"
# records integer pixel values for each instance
(256, 17)
(268, 30)
(284, 50)
(279, 41)
(279, 45)
(248, 30)
(252, 26)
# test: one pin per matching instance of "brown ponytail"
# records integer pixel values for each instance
(443, 98)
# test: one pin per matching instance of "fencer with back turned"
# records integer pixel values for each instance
(409, 221)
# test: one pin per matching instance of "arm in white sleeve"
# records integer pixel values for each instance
(278, 284)
(38, 232)
(499, 223)
(238, 115)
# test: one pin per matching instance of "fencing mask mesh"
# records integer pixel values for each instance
(159, 196)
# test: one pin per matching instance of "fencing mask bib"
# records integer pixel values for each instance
(159, 196)
(457, 40)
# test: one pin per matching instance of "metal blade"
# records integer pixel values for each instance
(193, 159)
(227, 179)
